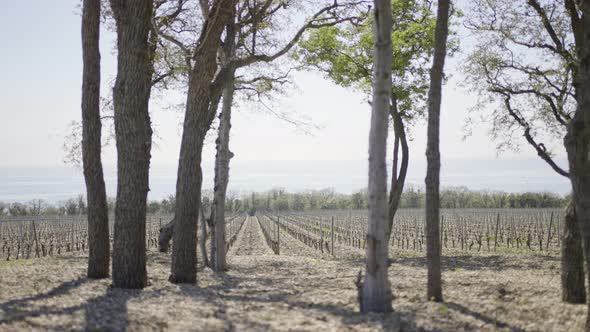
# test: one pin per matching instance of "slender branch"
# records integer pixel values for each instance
(539, 147)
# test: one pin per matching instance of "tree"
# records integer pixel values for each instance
(253, 20)
(134, 139)
(375, 292)
(344, 53)
(433, 246)
(36, 207)
(577, 139)
(197, 120)
(222, 159)
(522, 65)
(99, 250)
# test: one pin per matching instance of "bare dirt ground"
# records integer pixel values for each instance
(299, 290)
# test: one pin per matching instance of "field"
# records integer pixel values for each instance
(296, 271)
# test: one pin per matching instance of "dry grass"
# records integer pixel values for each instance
(299, 290)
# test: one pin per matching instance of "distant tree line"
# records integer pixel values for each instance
(325, 199)
(456, 197)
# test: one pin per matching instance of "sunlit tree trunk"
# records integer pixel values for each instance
(375, 292)
(223, 157)
(134, 140)
(98, 222)
(433, 248)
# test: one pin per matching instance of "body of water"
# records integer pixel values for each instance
(58, 183)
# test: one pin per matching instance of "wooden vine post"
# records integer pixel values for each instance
(496, 235)
(549, 232)
(278, 237)
(333, 237)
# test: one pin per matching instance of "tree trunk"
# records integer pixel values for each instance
(577, 142)
(166, 231)
(98, 222)
(572, 260)
(577, 139)
(433, 249)
(165, 236)
(131, 96)
(375, 292)
(397, 181)
(197, 121)
(223, 155)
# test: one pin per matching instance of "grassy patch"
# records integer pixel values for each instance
(19, 262)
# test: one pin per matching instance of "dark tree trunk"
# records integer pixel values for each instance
(572, 260)
(434, 284)
(375, 292)
(577, 139)
(397, 180)
(131, 96)
(577, 142)
(98, 222)
(197, 121)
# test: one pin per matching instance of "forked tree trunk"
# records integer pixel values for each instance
(134, 140)
(397, 179)
(197, 120)
(98, 220)
(223, 155)
(572, 260)
(433, 248)
(167, 231)
(375, 292)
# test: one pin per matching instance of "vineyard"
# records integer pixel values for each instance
(296, 269)
(461, 230)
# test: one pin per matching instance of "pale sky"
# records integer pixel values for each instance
(40, 85)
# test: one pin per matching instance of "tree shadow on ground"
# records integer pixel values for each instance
(470, 262)
(108, 311)
(488, 262)
(269, 290)
(246, 284)
(481, 317)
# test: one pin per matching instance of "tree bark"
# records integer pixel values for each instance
(98, 222)
(131, 96)
(223, 156)
(375, 292)
(433, 249)
(577, 142)
(572, 260)
(577, 139)
(197, 121)
(166, 231)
